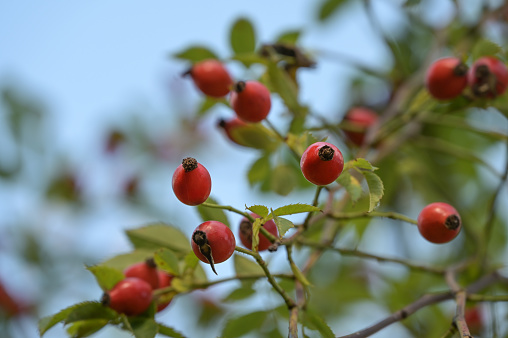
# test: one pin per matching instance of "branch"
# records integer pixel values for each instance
(460, 299)
(365, 214)
(424, 301)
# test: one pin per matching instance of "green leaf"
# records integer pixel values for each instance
(260, 210)
(328, 8)
(300, 142)
(195, 54)
(242, 36)
(299, 275)
(241, 293)
(282, 84)
(485, 48)
(48, 322)
(121, 262)
(289, 37)
(259, 170)
(85, 328)
(255, 135)
(166, 260)
(351, 184)
(90, 311)
(283, 225)
(169, 332)
(208, 103)
(246, 267)
(143, 327)
(376, 189)
(283, 179)
(241, 325)
(363, 164)
(159, 235)
(249, 58)
(212, 214)
(107, 277)
(295, 209)
(315, 322)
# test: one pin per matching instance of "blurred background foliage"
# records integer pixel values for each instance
(62, 209)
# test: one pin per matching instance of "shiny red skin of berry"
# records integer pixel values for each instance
(497, 68)
(212, 78)
(220, 238)
(192, 187)
(252, 103)
(164, 281)
(432, 223)
(145, 272)
(131, 296)
(246, 235)
(362, 118)
(318, 171)
(443, 81)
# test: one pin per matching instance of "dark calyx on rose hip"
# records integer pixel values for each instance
(452, 222)
(199, 237)
(326, 153)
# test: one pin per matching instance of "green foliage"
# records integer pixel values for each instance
(329, 7)
(212, 214)
(243, 36)
(159, 235)
(106, 276)
(484, 47)
(195, 54)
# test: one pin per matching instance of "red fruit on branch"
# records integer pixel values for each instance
(212, 78)
(191, 182)
(488, 77)
(251, 101)
(322, 163)
(131, 296)
(439, 222)
(361, 118)
(446, 78)
(474, 319)
(146, 271)
(245, 233)
(229, 127)
(213, 242)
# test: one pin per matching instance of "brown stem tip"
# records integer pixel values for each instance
(326, 153)
(105, 299)
(460, 69)
(452, 222)
(189, 164)
(239, 86)
(151, 262)
(199, 237)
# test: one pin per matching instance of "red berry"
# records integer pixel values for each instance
(191, 182)
(146, 271)
(245, 233)
(322, 163)
(446, 78)
(213, 242)
(474, 320)
(439, 222)
(164, 281)
(212, 78)
(251, 101)
(488, 77)
(131, 296)
(360, 118)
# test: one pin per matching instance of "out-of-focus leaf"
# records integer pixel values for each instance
(159, 235)
(121, 262)
(315, 322)
(351, 184)
(255, 234)
(255, 135)
(289, 37)
(239, 294)
(259, 170)
(90, 311)
(107, 277)
(195, 54)
(329, 7)
(208, 103)
(376, 189)
(485, 47)
(283, 179)
(282, 84)
(243, 36)
(246, 267)
(241, 325)
(212, 214)
(166, 260)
